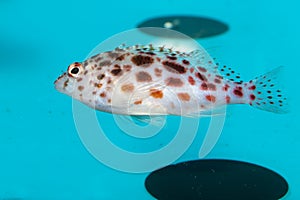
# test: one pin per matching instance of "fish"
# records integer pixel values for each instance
(144, 80)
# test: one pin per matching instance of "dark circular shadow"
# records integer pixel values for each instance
(214, 180)
(193, 26)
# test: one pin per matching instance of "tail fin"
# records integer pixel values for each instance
(265, 93)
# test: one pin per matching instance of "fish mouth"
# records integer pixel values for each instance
(61, 82)
(60, 77)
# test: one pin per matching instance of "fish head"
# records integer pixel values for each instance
(87, 84)
(67, 83)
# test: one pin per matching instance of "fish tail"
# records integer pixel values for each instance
(265, 92)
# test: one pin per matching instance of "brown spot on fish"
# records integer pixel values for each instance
(127, 87)
(150, 53)
(66, 83)
(227, 99)
(102, 94)
(141, 60)
(127, 67)
(218, 81)
(219, 77)
(80, 88)
(158, 94)
(210, 98)
(184, 96)
(157, 72)
(202, 69)
(211, 86)
(192, 69)
(200, 76)
(100, 77)
(172, 57)
(116, 72)
(121, 57)
(109, 100)
(113, 54)
(105, 63)
(143, 76)
(186, 62)
(85, 63)
(98, 85)
(175, 82)
(85, 72)
(158, 59)
(174, 67)
(138, 102)
(98, 59)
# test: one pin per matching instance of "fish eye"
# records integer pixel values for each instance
(75, 69)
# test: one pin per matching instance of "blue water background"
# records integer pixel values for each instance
(41, 155)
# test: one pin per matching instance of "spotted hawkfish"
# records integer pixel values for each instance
(147, 80)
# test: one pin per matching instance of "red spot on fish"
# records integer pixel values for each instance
(191, 80)
(226, 87)
(253, 87)
(210, 98)
(238, 92)
(227, 99)
(158, 94)
(192, 70)
(252, 97)
(200, 76)
(203, 86)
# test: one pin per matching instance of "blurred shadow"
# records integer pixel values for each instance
(193, 26)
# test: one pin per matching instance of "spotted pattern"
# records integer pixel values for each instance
(157, 72)
(105, 63)
(184, 96)
(174, 82)
(211, 98)
(174, 67)
(80, 88)
(127, 87)
(158, 94)
(141, 60)
(143, 76)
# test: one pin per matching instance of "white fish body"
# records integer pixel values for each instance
(157, 81)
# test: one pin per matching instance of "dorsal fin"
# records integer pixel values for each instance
(202, 59)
